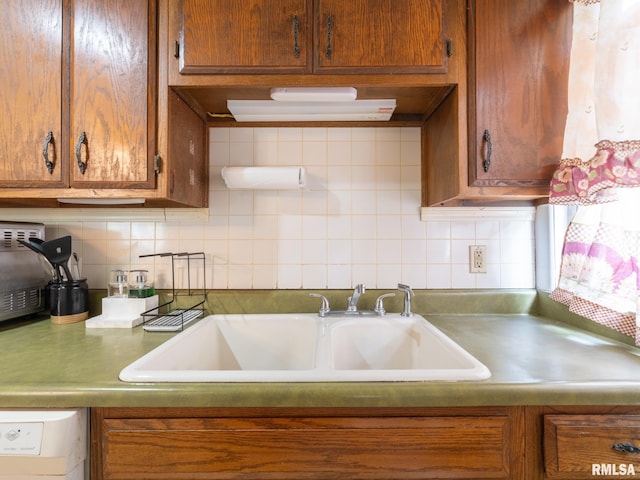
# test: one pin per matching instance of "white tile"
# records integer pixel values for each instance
(364, 251)
(240, 276)
(438, 251)
(290, 252)
(414, 252)
(410, 153)
(438, 229)
(364, 202)
(314, 252)
(363, 153)
(265, 252)
(265, 134)
(339, 227)
(460, 251)
(290, 134)
(363, 177)
(389, 202)
(219, 134)
(463, 229)
(241, 154)
(414, 274)
(339, 153)
(240, 252)
(265, 154)
(365, 274)
(314, 153)
(143, 230)
(290, 153)
(388, 178)
(314, 226)
(290, 226)
(241, 134)
(439, 276)
(461, 278)
(389, 227)
(388, 153)
(289, 276)
(265, 276)
(265, 203)
(314, 134)
(412, 227)
(339, 251)
(339, 134)
(389, 252)
(363, 226)
(314, 276)
(219, 154)
(241, 202)
(388, 275)
(339, 276)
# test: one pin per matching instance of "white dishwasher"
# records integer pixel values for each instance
(43, 444)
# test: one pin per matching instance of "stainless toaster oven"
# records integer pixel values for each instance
(23, 277)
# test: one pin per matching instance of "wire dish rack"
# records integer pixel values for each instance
(184, 306)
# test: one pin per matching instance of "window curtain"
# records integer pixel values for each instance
(600, 167)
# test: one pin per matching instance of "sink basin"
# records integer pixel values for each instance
(307, 348)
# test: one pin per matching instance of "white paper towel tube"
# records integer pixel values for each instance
(264, 178)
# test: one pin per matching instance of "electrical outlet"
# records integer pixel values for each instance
(477, 258)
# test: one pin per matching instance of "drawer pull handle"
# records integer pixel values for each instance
(82, 166)
(626, 447)
(486, 138)
(296, 33)
(48, 141)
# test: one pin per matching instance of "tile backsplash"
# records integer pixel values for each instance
(358, 221)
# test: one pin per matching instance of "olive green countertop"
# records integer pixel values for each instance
(534, 358)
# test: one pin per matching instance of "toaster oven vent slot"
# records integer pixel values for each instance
(27, 299)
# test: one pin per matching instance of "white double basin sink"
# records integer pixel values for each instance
(307, 348)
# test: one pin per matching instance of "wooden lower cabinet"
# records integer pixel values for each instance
(582, 442)
(309, 443)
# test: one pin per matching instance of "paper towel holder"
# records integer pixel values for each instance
(264, 178)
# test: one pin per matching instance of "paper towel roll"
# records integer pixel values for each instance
(264, 178)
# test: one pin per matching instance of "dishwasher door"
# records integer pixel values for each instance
(44, 444)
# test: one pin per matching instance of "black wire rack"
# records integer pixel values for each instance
(172, 316)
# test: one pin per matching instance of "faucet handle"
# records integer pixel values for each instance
(379, 308)
(324, 307)
(408, 293)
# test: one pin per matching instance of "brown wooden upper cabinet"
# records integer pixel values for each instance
(31, 121)
(399, 36)
(305, 36)
(84, 119)
(518, 70)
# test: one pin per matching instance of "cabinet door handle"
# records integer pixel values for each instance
(486, 138)
(296, 31)
(82, 166)
(329, 36)
(45, 151)
(625, 447)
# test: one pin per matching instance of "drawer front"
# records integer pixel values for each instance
(310, 448)
(592, 446)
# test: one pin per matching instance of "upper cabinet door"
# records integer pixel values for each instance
(113, 93)
(518, 73)
(380, 36)
(253, 36)
(31, 93)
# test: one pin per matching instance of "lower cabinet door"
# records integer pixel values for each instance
(328, 447)
(592, 446)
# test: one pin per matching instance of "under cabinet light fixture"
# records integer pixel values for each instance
(315, 111)
(314, 94)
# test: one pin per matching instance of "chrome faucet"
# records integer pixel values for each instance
(352, 301)
(408, 293)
